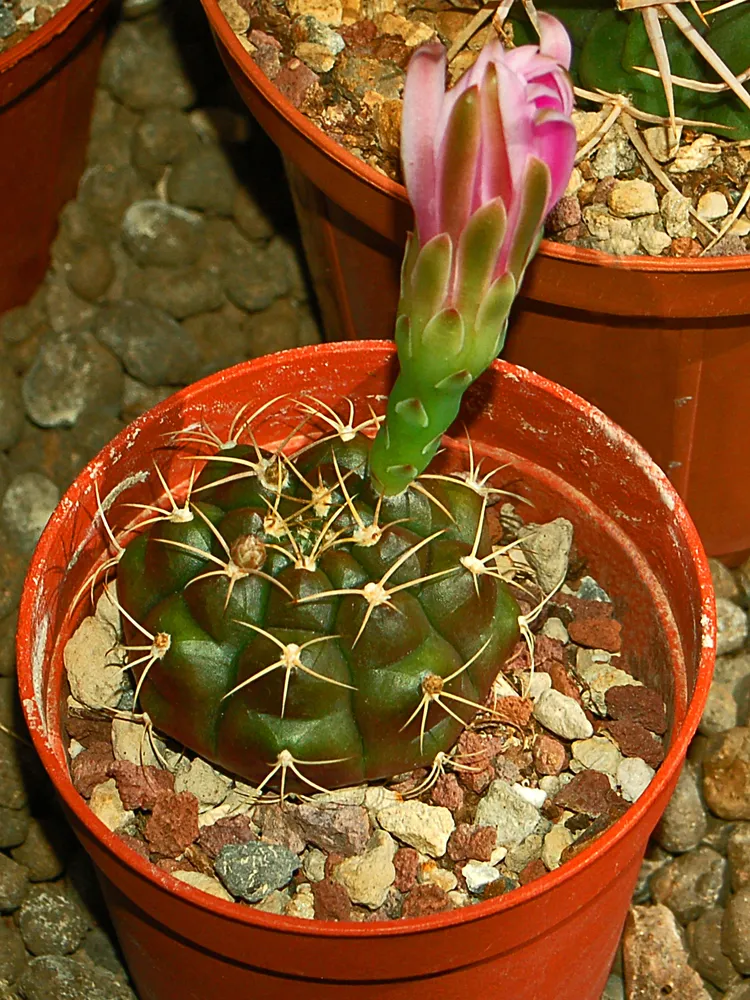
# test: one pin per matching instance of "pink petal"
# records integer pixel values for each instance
(518, 120)
(424, 92)
(555, 144)
(494, 176)
(458, 162)
(554, 40)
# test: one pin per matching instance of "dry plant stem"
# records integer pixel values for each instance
(730, 220)
(659, 48)
(698, 85)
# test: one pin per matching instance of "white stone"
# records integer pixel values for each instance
(586, 123)
(596, 754)
(207, 785)
(479, 875)
(107, 610)
(575, 182)
(713, 205)
(425, 827)
(630, 199)
(377, 797)
(563, 716)
(594, 667)
(615, 154)
(652, 239)
(498, 855)
(731, 626)
(554, 628)
(552, 783)
(697, 156)
(206, 883)
(314, 864)
(315, 55)
(74, 748)
(538, 683)
(302, 903)
(275, 902)
(130, 742)
(368, 877)
(502, 688)
(662, 142)
(237, 803)
(105, 803)
(536, 796)
(513, 817)
(431, 873)
(597, 220)
(93, 666)
(633, 777)
(547, 547)
(354, 796)
(740, 227)
(558, 838)
(237, 17)
(675, 214)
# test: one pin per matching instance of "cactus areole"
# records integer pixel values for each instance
(332, 613)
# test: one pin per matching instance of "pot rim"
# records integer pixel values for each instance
(59, 772)
(41, 37)
(384, 185)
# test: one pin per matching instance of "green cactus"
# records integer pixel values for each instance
(288, 616)
(608, 45)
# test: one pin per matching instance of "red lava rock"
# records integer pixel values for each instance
(567, 212)
(533, 870)
(358, 35)
(632, 703)
(589, 792)
(547, 649)
(550, 756)
(135, 844)
(91, 767)
(406, 863)
(424, 900)
(634, 740)
(519, 661)
(88, 729)
(582, 609)
(482, 843)
(332, 860)
(552, 812)
(267, 53)
(513, 711)
(410, 783)
(278, 825)
(459, 841)
(562, 681)
(447, 792)
(171, 865)
(140, 787)
(597, 633)
(294, 80)
(173, 824)
(474, 746)
(331, 900)
(497, 888)
(231, 830)
(477, 780)
(507, 769)
(684, 246)
(602, 190)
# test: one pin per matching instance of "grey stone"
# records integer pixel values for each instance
(735, 932)
(73, 375)
(8, 24)
(734, 672)
(251, 217)
(344, 829)
(90, 271)
(368, 877)
(14, 758)
(100, 948)
(738, 856)
(692, 883)
(11, 407)
(14, 826)
(739, 992)
(106, 191)
(652, 863)
(589, 590)
(51, 923)
(720, 712)
(726, 774)
(151, 345)
(203, 180)
(26, 507)
(513, 817)
(180, 292)
(14, 881)
(157, 234)
(12, 952)
(161, 137)
(614, 989)
(654, 957)
(45, 849)
(704, 938)
(723, 580)
(255, 278)
(142, 68)
(562, 715)
(684, 822)
(731, 626)
(547, 547)
(56, 977)
(250, 871)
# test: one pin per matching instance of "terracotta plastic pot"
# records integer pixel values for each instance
(47, 85)
(661, 345)
(553, 939)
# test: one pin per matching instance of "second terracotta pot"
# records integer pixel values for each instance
(661, 345)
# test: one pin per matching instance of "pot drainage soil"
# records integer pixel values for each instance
(633, 192)
(554, 756)
(18, 18)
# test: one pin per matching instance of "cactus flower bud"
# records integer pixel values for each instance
(483, 164)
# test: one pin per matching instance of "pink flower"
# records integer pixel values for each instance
(502, 133)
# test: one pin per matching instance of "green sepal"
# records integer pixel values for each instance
(413, 412)
(460, 156)
(429, 283)
(478, 251)
(456, 382)
(492, 318)
(534, 197)
(442, 340)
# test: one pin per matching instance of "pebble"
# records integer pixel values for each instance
(735, 931)
(50, 922)
(697, 156)
(130, 742)
(598, 753)
(14, 880)
(143, 70)
(594, 667)
(255, 278)
(181, 292)
(161, 136)
(684, 822)
(478, 876)
(14, 826)
(513, 817)
(704, 939)
(713, 205)
(424, 900)
(550, 756)
(26, 507)
(555, 842)
(691, 884)
(720, 712)
(547, 548)
(423, 827)
(615, 154)
(106, 804)
(731, 626)
(562, 716)
(203, 180)
(151, 345)
(368, 877)
(64, 978)
(90, 271)
(344, 829)
(738, 855)
(12, 952)
(630, 199)
(44, 851)
(430, 872)
(173, 824)
(553, 628)
(614, 989)
(250, 871)
(208, 785)
(106, 191)
(206, 883)
(156, 233)
(726, 774)
(331, 900)
(633, 777)
(675, 213)
(663, 142)
(11, 408)
(655, 959)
